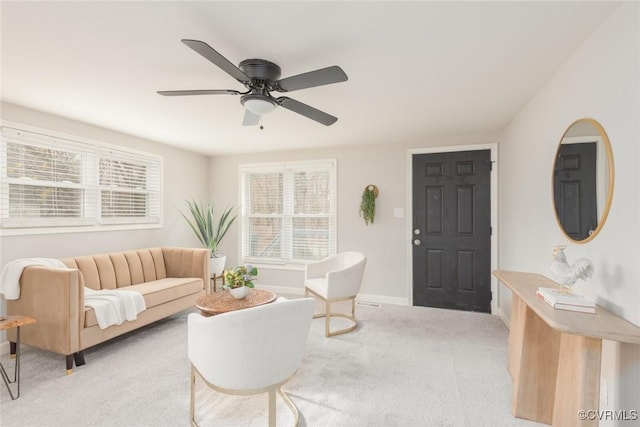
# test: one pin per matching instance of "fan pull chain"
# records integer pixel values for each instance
(261, 127)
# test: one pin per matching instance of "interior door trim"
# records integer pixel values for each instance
(493, 148)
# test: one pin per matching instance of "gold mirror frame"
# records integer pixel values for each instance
(609, 196)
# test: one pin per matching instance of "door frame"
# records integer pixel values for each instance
(493, 148)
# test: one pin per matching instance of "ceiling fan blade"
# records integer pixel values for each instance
(307, 111)
(250, 119)
(198, 92)
(212, 55)
(324, 76)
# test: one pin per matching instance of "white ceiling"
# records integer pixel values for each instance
(416, 69)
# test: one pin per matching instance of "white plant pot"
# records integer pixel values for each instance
(240, 292)
(217, 265)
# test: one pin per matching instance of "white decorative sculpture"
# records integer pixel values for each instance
(566, 274)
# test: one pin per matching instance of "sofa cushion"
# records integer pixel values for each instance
(135, 267)
(160, 291)
(155, 293)
(158, 260)
(89, 270)
(121, 268)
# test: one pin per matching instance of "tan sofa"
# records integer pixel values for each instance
(170, 280)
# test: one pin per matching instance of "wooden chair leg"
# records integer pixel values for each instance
(291, 405)
(192, 404)
(328, 314)
(327, 317)
(351, 317)
(272, 407)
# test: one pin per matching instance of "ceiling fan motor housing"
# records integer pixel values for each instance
(261, 70)
(263, 74)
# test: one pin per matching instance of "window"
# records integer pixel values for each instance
(288, 212)
(49, 181)
(129, 188)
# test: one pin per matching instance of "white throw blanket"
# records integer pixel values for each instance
(112, 307)
(11, 272)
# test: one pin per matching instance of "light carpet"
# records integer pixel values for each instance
(403, 366)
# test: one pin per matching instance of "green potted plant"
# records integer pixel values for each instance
(240, 279)
(209, 231)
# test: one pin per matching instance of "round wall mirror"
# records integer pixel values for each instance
(583, 180)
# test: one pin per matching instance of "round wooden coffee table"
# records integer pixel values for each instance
(222, 302)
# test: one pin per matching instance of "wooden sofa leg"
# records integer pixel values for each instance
(12, 349)
(78, 358)
(69, 358)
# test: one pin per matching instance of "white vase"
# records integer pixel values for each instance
(240, 292)
(217, 265)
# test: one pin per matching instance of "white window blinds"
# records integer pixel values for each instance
(288, 212)
(129, 188)
(49, 181)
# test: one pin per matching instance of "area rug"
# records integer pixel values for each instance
(403, 366)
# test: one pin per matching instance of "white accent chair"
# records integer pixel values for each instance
(333, 279)
(262, 347)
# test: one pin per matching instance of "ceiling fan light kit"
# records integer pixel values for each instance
(258, 104)
(261, 77)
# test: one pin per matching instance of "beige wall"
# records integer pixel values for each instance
(385, 242)
(185, 176)
(601, 80)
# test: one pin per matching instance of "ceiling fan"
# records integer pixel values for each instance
(261, 77)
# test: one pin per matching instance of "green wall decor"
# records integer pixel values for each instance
(368, 203)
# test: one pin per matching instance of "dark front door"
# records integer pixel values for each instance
(574, 189)
(452, 230)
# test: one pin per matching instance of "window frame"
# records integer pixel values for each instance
(288, 168)
(91, 219)
(151, 191)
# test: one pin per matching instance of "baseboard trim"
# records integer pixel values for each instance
(505, 319)
(282, 289)
(382, 299)
(379, 299)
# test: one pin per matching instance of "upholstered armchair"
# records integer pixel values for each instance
(333, 279)
(263, 348)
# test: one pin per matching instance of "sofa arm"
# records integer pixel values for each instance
(55, 298)
(187, 262)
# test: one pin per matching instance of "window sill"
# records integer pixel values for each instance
(79, 229)
(289, 267)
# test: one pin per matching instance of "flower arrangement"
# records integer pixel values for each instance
(242, 275)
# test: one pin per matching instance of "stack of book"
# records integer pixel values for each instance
(562, 300)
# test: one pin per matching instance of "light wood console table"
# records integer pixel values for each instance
(554, 355)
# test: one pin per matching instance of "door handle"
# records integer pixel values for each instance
(417, 242)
